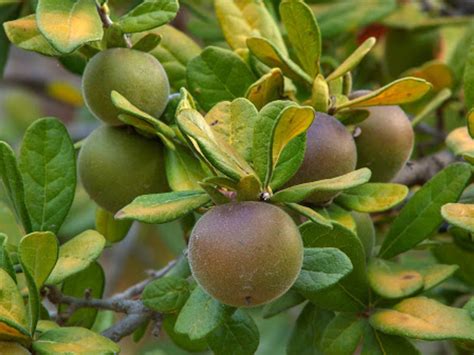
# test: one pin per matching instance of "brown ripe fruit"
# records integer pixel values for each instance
(137, 75)
(330, 152)
(385, 141)
(116, 165)
(245, 254)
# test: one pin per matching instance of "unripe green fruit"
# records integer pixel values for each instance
(365, 231)
(136, 75)
(406, 49)
(245, 254)
(116, 165)
(330, 152)
(385, 141)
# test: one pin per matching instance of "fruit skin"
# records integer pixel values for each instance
(385, 141)
(116, 165)
(327, 142)
(138, 76)
(245, 254)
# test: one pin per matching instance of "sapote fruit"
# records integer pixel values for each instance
(116, 164)
(385, 141)
(137, 75)
(245, 254)
(330, 152)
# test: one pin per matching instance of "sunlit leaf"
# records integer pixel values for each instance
(268, 88)
(148, 14)
(435, 72)
(460, 142)
(459, 214)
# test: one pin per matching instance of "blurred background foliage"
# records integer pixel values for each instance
(428, 39)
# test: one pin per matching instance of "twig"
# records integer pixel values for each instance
(104, 15)
(127, 325)
(420, 171)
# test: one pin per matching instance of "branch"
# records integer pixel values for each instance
(420, 171)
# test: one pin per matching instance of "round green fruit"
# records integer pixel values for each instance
(116, 165)
(245, 254)
(385, 141)
(136, 75)
(330, 152)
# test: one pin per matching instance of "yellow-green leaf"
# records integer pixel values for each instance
(424, 318)
(242, 19)
(435, 72)
(460, 142)
(434, 274)
(13, 318)
(183, 169)
(38, 252)
(309, 213)
(300, 192)
(25, 34)
(268, 88)
(391, 280)
(354, 59)
(76, 255)
(398, 92)
(68, 24)
(459, 214)
(162, 208)
(270, 55)
(470, 122)
(373, 197)
(12, 348)
(303, 33)
(320, 94)
(111, 229)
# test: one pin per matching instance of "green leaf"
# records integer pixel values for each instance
(68, 24)
(242, 19)
(298, 193)
(353, 60)
(5, 260)
(25, 34)
(90, 281)
(38, 252)
(76, 255)
(164, 207)
(322, 268)
(453, 254)
(111, 229)
(175, 51)
(303, 34)
(127, 107)
(307, 334)
(10, 227)
(343, 334)
(13, 318)
(217, 75)
(435, 274)
(460, 215)
(13, 182)
(421, 216)
(183, 170)
(468, 78)
(166, 295)
(373, 197)
(432, 106)
(11, 348)
(401, 91)
(376, 343)
(200, 316)
(391, 280)
(147, 43)
(74, 340)
(234, 121)
(148, 14)
(182, 340)
(237, 335)
(270, 87)
(350, 293)
(289, 299)
(8, 12)
(48, 167)
(424, 318)
(212, 145)
(309, 213)
(270, 55)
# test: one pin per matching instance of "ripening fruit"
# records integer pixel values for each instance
(137, 75)
(330, 152)
(385, 141)
(116, 165)
(406, 49)
(245, 254)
